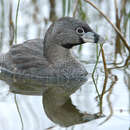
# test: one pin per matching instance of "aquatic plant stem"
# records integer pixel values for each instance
(105, 81)
(75, 7)
(109, 95)
(115, 28)
(15, 99)
(98, 55)
(64, 6)
(16, 21)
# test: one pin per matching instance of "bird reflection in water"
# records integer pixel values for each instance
(56, 98)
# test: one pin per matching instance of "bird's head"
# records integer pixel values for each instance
(68, 32)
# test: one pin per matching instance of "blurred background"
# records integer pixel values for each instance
(33, 19)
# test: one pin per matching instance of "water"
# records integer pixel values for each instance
(29, 102)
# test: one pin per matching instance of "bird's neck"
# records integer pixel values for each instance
(57, 55)
(63, 62)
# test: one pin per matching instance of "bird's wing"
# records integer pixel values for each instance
(26, 58)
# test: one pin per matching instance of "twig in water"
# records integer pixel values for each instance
(105, 81)
(11, 26)
(98, 55)
(15, 99)
(75, 8)
(16, 21)
(108, 97)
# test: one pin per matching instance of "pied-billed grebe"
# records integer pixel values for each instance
(52, 56)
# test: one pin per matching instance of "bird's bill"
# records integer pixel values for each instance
(92, 37)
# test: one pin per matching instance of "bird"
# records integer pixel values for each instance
(51, 57)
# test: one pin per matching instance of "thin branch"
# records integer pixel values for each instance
(117, 41)
(105, 81)
(16, 21)
(98, 55)
(11, 26)
(127, 62)
(52, 16)
(124, 2)
(75, 8)
(15, 99)
(115, 28)
(108, 97)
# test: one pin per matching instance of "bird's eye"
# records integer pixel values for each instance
(80, 30)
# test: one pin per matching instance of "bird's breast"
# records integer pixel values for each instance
(71, 71)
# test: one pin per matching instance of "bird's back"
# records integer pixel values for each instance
(26, 59)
